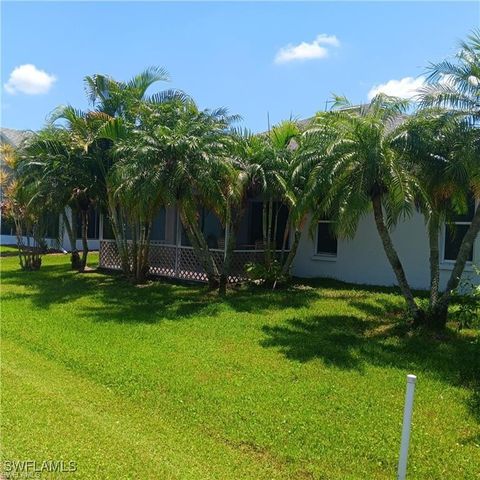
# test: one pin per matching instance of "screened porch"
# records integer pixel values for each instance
(171, 254)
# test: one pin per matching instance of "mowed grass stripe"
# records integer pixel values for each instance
(303, 383)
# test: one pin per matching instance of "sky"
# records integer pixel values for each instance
(261, 60)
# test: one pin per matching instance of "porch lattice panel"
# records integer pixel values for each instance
(163, 260)
(181, 262)
(109, 257)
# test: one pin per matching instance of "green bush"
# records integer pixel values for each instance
(268, 275)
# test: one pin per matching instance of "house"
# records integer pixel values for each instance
(359, 260)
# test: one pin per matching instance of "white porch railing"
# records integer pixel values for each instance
(177, 261)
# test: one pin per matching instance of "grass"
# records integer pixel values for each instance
(168, 382)
(8, 250)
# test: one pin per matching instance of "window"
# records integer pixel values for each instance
(455, 231)
(326, 241)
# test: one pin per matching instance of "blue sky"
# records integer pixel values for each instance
(281, 58)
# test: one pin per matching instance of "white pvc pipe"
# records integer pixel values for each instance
(407, 420)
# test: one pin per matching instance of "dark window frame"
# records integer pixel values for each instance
(326, 254)
(451, 229)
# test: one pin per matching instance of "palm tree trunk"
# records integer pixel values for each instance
(200, 246)
(265, 232)
(119, 233)
(438, 315)
(142, 251)
(71, 228)
(268, 246)
(433, 229)
(134, 250)
(227, 261)
(20, 245)
(275, 227)
(286, 233)
(297, 234)
(291, 254)
(233, 221)
(83, 262)
(392, 256)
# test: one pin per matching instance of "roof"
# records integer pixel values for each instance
(14, 137)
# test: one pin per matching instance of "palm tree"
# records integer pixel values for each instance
(455, 84)
(243, 152)
(355, 169)
(441, 153)
(49, 158)
(267, 166)
(277, 168)
(173, 154)
(198, 173)
(20, 203)
(264, 164)
(81, 150)
(119, 104)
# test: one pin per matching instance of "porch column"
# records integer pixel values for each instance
(100, 227)
(227, 233)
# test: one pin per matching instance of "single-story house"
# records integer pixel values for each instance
(359, 260)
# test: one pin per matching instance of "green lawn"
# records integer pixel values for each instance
(8, 249)
(168, 382)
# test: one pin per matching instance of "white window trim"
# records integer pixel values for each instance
(325, 257)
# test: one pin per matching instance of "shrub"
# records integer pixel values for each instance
(268, 275)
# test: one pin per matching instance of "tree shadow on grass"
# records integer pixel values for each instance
(165, 300)
(116, 299)
(52, 284)
(334, 339)
(113, 297)
(351, 342)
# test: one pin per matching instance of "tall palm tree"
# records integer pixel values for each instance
(355, 170)
(454, 86)
(244, 153)
(81, 152)
(50, 158)
(119, 104)
(198, 173)
(265, 168)
(442, 155)
(284, 140)
(177, 153)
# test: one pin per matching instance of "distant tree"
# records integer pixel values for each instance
(20, 203)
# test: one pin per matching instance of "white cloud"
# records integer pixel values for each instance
(30, 80)
(406, 87)
(307, 51)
